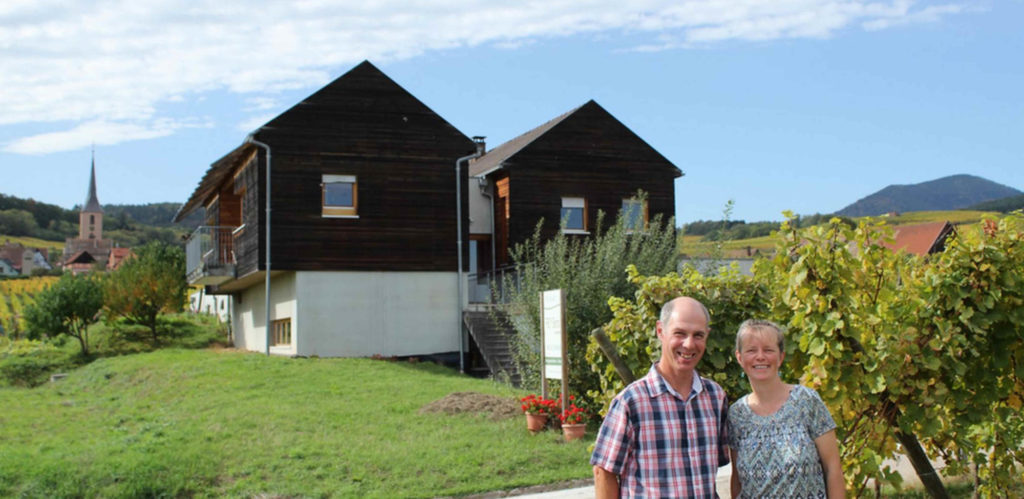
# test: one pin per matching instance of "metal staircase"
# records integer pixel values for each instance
(492, 339)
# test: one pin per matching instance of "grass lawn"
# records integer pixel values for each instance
(212, 423)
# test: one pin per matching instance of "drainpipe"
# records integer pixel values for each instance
(458, 245)
(251, 139)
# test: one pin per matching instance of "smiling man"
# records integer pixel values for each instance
(665, 434)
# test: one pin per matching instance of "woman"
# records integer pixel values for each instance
(781, 437)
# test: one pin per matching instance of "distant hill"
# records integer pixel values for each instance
(1003, 205)
(947, 193)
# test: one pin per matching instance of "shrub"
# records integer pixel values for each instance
(589, 270)
(29, 363)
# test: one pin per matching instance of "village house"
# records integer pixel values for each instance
(376, 201)
(22, 260)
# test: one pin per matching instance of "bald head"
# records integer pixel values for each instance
(683, 304)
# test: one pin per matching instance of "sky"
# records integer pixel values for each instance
(799, 105)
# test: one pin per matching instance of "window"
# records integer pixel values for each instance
(340, 196)
(574, 214)
(281, 332)
(635, 212)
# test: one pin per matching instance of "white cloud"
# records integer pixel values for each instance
(111, 64)
(95, 132)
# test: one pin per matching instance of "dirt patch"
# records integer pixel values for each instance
(461, 402)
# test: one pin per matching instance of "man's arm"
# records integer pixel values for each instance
(606, 484)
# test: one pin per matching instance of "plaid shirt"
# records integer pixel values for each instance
(662, 444)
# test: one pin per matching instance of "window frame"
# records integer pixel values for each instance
(281, 329)
(573, 203)
(339, 211)
(644, 215)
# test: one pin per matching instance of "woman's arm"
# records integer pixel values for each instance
(734, 480)
(828, 452)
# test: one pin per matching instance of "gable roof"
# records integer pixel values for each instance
(921, 239)
(495, 158)
(80, 258)
(363, 90)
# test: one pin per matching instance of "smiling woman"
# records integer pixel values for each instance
(782, 438)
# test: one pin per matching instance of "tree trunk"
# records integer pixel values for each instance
(922, 465)
(608, 348)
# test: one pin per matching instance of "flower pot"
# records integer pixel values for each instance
(573, 431)
(536, 422)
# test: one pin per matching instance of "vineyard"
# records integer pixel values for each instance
(15, 296)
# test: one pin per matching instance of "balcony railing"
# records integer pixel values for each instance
(210, 255)
(489, 287)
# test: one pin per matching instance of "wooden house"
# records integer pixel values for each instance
(362, 206)
(571, 167)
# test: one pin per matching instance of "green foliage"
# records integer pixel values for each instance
(901, 348)
(66, 307)
(200, 423)
(590, 270)
(29, 363)
(147, 285)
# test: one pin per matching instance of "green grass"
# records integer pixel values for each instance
(32, 242)
(206, 423)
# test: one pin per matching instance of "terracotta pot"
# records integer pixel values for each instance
(536, 422)
(573, 431)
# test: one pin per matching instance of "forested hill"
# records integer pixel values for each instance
(156, 214)
(1003, 205)
(128, 225)
(948, 193)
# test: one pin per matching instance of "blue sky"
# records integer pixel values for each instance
(801, 105)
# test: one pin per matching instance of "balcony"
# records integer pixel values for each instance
(210, 255)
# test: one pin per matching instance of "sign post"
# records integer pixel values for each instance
(554, 347)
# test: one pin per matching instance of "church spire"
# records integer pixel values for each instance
(92, 203)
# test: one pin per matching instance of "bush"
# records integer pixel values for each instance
(589, 270)
(29, 363)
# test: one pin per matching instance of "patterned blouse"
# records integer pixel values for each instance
(776, 455)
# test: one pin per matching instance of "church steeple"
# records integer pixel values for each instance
(90, 218)
(92, 203)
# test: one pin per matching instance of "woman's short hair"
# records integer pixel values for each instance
(760, 325)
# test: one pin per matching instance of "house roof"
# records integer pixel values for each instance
(591, 109)
(118, 256)
(80, 257)
(493, 158)
(363, 90)
(214, 176)
(921, 239)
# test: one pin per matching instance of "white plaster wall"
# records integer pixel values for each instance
(250, 316)
(359, 314)
(479, 209)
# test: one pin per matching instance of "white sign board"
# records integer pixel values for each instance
(553, 333)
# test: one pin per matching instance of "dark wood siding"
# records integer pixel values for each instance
(403, 155)
(591, 155)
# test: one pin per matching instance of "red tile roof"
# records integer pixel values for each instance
(921, 239)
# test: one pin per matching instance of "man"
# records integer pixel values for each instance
(665, 434)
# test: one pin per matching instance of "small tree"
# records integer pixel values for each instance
(68, 307)
(147, 285)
